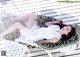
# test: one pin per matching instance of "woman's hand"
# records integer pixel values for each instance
(60, 21)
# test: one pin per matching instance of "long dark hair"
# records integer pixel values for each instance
(70, 34)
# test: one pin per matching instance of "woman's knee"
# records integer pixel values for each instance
(31, 15)
(18, 23)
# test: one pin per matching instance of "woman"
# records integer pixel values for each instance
(32, 33)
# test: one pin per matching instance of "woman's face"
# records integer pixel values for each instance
(65, 30)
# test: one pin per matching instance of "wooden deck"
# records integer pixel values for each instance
(68, 12)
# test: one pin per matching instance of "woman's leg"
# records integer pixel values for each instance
(17, 25)
(24, 17)
(28, 18)
(31, 21)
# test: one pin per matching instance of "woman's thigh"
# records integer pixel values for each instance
(31, 21)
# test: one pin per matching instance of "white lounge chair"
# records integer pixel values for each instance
(14, 49)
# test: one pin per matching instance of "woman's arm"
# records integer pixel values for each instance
(54, 40)
(54, 22)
